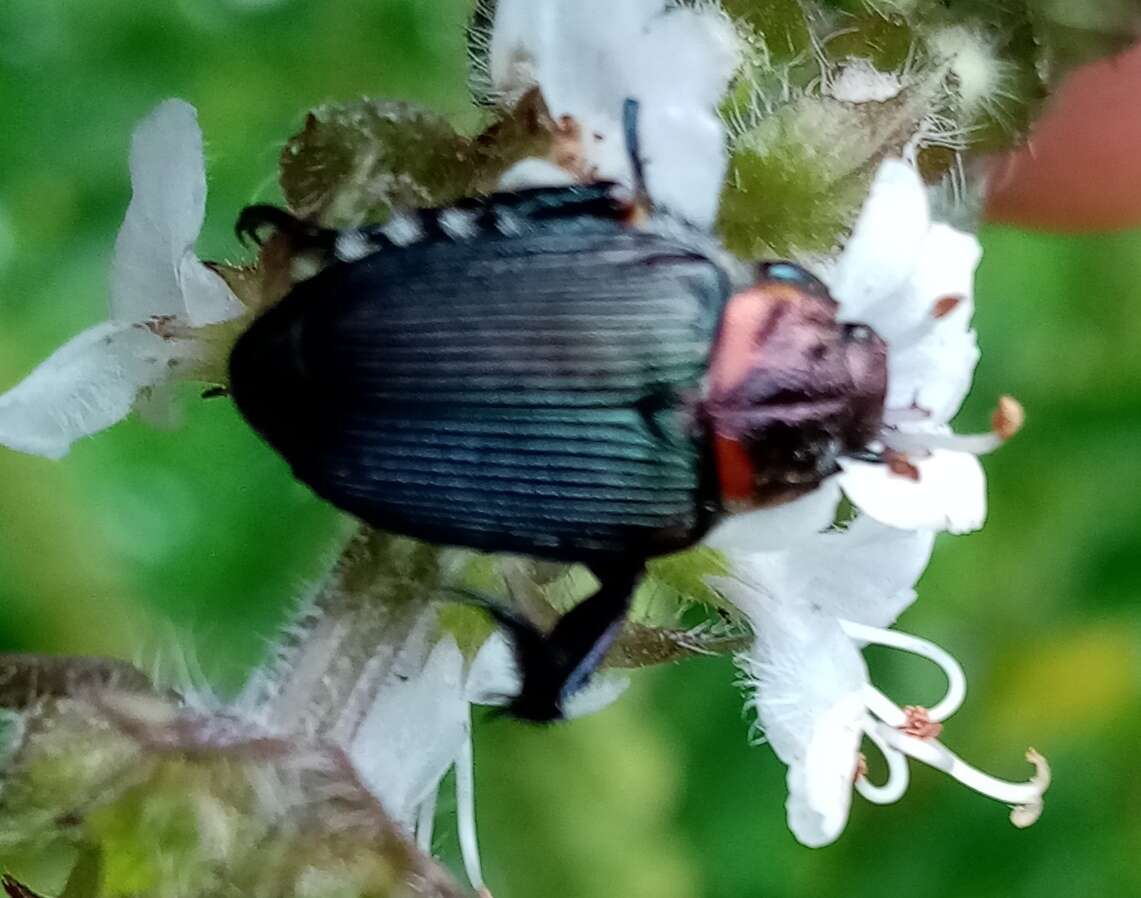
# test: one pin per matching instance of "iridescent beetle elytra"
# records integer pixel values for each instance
(561, 372)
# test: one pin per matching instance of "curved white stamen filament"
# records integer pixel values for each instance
(956, 679)
(465, 813)
(898, 776)
(426, 821)
(883, 708)
(920, 443)
(1026, 798)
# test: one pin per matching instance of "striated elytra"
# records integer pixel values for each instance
(557, 372)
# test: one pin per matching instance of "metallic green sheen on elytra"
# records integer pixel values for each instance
(530, 392)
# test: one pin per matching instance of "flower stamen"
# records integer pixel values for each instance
(1006, 420)
(426, 822)
(465, 814)
(881, 705)
(1025, 798)
(1008, 417)
(898, 776)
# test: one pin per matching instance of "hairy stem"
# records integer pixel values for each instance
(343, 641)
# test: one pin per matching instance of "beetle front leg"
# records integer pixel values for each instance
(256, 219)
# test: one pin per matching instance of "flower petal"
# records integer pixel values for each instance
(207, 297)
(571, 49)
(769, 529)
(601, 691)
(154, 271)
(701, 43)
(683, 150)
(808, 680)
(520, 36)
(935, 372)
(493, 677)
(801, 664)
(168, 205)
(881, 254)
(944, 270)
(88, 384)
(415, 729)
(820, 786)
(950, 493)
(590, 56)
(865, 573)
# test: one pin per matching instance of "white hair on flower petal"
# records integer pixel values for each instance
(160, 294)
(588, 57)
(810, 687)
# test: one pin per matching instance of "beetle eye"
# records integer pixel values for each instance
(858, 333)
(791, 273)
(785, 271)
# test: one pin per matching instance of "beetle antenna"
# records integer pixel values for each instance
(630, 110)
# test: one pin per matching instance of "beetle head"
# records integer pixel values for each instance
(790, 389)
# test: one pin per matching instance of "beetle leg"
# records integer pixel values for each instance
(253, 220)
(583, 635)
(556, 665)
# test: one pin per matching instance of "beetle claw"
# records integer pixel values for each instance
(255, 219)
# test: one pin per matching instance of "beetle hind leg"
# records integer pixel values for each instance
(555, 666)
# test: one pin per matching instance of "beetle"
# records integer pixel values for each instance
(559, 372)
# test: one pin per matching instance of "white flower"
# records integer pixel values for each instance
(911, 281)
(813, 608)
(588, 57)
(418, 726)
(163, 300)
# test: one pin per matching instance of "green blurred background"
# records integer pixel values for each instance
(142, 540)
